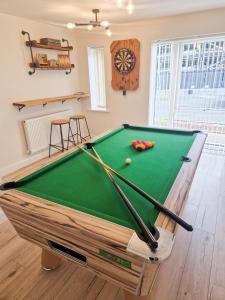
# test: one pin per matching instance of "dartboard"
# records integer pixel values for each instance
(124, 60)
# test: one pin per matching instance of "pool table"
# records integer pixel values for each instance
(68, 206)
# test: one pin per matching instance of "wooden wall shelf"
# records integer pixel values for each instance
(34, 44)
(44, 101)
(50, 68)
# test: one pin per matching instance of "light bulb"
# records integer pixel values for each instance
(90, 27)
(119, 3)
(130, 7)
(70, 25)
(104, 23)
(108, 32)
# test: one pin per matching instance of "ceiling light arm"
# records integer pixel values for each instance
(82, 24)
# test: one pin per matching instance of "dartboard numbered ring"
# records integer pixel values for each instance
(124, 61)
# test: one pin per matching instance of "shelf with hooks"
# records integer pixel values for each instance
(44, 101)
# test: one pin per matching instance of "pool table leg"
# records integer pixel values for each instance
(129, 296)
(49, 261)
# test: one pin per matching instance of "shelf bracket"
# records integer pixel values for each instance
(31, 51)
(20, 107)
(67, 43)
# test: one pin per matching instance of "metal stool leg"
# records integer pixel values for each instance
(81, 138)
(78, 123)
(87, 127)
(77, 131)
(61, 138)
(68, 136)
(50, 142)
(70, 132)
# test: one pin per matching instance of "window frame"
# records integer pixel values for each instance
(95, 104)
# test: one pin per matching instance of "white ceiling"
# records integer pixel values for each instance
(64, 11)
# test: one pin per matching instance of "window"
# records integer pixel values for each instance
(96, 66)
(188, 87)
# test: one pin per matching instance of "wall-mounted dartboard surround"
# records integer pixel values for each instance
(125, 64)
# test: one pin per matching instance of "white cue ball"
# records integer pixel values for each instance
(128, 161)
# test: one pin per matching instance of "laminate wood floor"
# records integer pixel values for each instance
(195, 270)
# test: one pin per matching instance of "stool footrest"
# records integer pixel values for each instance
(60, 148)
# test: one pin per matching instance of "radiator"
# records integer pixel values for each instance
(37, 131)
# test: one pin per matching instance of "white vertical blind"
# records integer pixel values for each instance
(96, 66)
(188, 89)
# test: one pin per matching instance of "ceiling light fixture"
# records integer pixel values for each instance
(104, 24)
(129, 4)
(130, 7)
(90, 27)
(120, 3)
(108, 32)
(92, 24)
(70, 25)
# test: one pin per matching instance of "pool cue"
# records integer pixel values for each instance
(149, 238)
(159, 206)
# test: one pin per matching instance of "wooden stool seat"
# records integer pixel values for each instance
(77, 117)
(60, 122)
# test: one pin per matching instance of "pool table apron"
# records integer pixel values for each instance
(105, 248)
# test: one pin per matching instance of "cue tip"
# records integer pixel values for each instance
(189, 227)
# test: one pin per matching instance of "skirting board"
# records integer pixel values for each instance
(20, 164)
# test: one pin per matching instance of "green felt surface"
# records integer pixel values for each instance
(79, 182)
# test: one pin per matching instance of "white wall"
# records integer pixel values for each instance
(133, 108)
(16, 84)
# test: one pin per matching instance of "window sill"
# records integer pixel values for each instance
(99, 110)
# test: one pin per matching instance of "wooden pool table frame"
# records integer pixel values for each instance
(40, 221)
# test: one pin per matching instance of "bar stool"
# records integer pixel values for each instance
(60, 123)
(77, 119)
